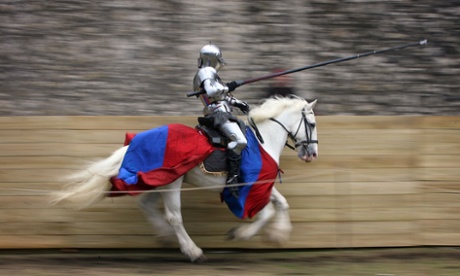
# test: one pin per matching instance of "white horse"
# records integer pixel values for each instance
(277, 120)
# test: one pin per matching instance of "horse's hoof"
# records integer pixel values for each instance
(272, 241)
(201, 259)
(276, 238)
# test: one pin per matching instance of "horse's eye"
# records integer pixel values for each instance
(312, 125)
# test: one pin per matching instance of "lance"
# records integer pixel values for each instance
(320, 64)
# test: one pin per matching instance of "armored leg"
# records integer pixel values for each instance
(233, 165)
(237, 144)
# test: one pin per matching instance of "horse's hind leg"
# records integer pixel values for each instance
(148, 203)
(172, 202)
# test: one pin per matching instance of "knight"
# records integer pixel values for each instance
(218, 106)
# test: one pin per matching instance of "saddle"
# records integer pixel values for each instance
(216, 163)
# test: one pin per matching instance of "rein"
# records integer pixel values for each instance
(256, 129)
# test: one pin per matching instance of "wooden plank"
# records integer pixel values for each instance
(441, 187)
(44, 162)
(372, 148)
(366, 122)
(392, 240)
(290, 160)
(58, 149)
(354, 201)
(348, 188)
(439, 122)
(441, 239)
(439, 148)
(15, 201)
(433, 136)
(218, 241)
(316, 194)
(210, 229)
(113, 213)
(33, 241)
(377, 137)
(440, 213)
(28, 188)
(440, 226)
(439, 161)
(354, 228)
(344, 174)
(441, 199)
(31, 199)
(149, 241)
(355, 215)
(143, 228)
(63, 136)
(316, 241)
(33, 228)
(438, 174)
(114, 241)
(33, 175)
(42, 215)
(100, 214)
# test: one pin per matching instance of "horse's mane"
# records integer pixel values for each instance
(271, 107)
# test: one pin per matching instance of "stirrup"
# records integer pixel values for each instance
(232, 179)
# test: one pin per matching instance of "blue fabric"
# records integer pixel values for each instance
(146, 152)
(251, 165)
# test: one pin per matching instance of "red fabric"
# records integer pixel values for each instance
(128, 137)
(259, 195)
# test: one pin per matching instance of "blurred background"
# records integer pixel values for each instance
(138, 57)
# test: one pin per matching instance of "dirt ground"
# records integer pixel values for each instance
(420, 261)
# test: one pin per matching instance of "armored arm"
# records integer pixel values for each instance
(243, 106)
(214, 88)
(208, 80)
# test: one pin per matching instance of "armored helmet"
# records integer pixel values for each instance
(210, 55)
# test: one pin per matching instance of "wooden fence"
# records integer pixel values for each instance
(379, 181)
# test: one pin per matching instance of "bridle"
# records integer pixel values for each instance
(308, 132)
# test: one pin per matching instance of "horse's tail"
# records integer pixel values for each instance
(90, 185)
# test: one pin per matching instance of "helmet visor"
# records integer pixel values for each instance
(220, 63)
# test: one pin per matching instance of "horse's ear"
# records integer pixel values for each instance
(313, 103)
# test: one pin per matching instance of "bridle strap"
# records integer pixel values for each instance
(288, 132)
(308, 132)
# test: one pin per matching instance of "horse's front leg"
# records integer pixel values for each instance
(248, 230)
(280, 228)
(173, 215)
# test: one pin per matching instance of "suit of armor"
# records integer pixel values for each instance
(218, 106)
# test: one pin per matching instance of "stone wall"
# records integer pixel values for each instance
(118, 57)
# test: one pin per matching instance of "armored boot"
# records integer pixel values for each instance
(233, 166)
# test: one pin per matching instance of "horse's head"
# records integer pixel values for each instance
(295, 115)
(305, 136)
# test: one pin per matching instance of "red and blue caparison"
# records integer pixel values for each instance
(159, 156)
